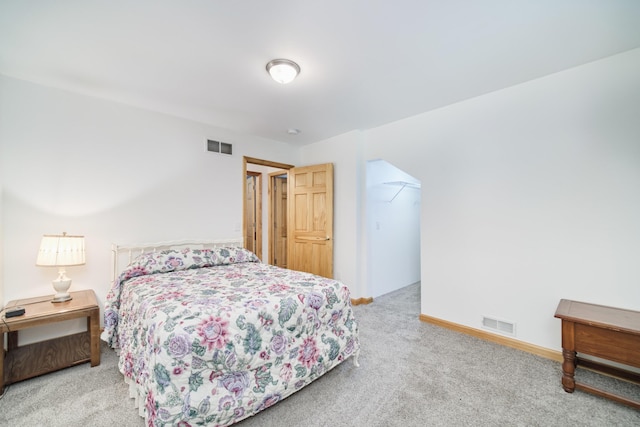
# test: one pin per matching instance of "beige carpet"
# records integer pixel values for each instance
(411, 374)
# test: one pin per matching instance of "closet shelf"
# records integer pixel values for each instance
(403, 185)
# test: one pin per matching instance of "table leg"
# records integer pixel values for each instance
(12, 341)
(93, 325)
(1, 364)
(568, 370)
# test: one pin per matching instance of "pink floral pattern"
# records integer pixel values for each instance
(212, 337)
(213, 332)
(309, 353)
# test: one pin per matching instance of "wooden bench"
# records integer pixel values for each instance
(608, 333)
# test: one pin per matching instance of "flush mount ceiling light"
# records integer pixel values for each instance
(283, 70)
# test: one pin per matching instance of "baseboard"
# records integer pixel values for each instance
(360, 301)
(498, 339)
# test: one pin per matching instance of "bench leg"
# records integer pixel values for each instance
(568, 370)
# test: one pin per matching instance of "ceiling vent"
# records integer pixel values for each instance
(219, 147)
(497, 325)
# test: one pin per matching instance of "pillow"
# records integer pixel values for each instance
(185, 259)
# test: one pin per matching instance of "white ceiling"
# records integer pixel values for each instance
(364, 62)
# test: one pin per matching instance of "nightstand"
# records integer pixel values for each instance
(22, 362)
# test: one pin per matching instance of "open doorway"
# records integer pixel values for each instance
(309, 215)
(393, 228)
(260, 167)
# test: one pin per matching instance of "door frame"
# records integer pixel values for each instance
(260, 162)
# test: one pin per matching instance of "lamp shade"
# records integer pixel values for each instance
(61, 250)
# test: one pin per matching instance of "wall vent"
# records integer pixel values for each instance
(497, 325)
(219, 147)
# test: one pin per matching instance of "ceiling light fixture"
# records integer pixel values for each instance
(283, 70)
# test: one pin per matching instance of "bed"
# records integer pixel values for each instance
(209, 335)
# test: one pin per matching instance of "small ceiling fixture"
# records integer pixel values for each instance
(283, 70)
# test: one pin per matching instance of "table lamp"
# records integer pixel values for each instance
(61, 251)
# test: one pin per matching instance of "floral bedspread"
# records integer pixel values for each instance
(210, 337)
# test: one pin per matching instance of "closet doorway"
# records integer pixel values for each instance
(393, 203)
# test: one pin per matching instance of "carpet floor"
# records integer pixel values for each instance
(411, 374)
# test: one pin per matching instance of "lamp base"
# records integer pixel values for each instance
(61, 298)
(61, 285)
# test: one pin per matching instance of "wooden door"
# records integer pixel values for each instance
(253, 213)
(310, 219)
(278, 221)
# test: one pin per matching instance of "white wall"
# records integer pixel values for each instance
(113, 173)
(530, 194)
(393, 229)
(344, 152)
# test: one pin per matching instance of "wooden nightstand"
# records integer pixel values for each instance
(22, 362)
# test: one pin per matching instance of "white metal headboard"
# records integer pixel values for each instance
(128, 252)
